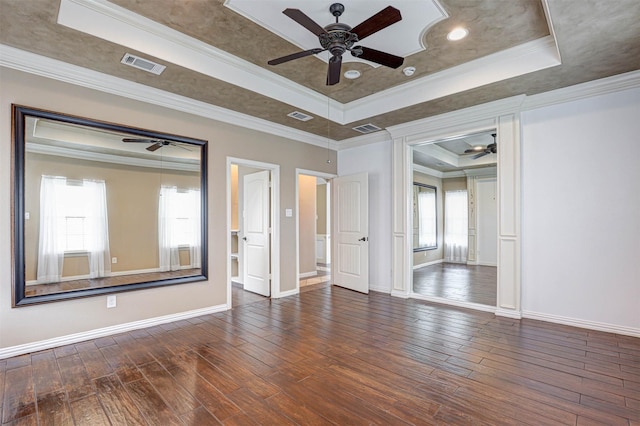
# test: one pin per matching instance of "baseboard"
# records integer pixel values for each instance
(307, 275)
(508, 313)
(106, 331)
(379, 289)
(422, 265)
(580, 323)
(458, 303)
(400, 294)
(286, 293)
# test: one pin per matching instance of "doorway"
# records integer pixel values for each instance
(313, 224)
(253, 237)
(462, 268)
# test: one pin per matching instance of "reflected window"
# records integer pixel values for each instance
(456, 224)
(425, 234)
(179, 228)
(73, 219)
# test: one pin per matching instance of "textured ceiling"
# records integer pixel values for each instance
(596, 39)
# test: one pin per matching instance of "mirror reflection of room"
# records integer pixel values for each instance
(101, 212)
(461, 265)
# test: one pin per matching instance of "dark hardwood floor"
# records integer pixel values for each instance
(332, 356)
(454, 281)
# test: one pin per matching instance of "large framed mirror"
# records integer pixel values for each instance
(425, 217)
(101, 208)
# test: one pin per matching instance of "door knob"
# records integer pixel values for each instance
(364, 239)
(244, 238)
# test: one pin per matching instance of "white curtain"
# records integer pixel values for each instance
(195, 248)
(51, 243)
(456, 226)
(59, 202)
(97, 226)
(169, 255)
(427, 218)
(179, 225)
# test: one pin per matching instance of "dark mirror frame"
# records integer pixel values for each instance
(19, 114)
(435, 192)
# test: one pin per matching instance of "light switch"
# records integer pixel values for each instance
(114, 260)
(288, 212)
(27, 216)
(111, 301)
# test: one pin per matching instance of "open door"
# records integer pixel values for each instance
(351, 239)
(256, 233)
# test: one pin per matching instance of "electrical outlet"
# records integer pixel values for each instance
(114, 260)
(111, 301)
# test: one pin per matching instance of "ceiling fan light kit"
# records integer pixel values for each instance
(337, 38)
(481, 151)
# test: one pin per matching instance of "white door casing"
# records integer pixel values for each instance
(351, 232)
(255, 235)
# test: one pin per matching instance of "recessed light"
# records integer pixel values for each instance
(352, 74)
(457, 34)
(408, 71)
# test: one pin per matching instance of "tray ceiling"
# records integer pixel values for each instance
(218, 55)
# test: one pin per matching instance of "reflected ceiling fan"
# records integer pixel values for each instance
(157, 143)
(338, 38)
(481, 151)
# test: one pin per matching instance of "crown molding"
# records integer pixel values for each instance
(111, 158)
(589, 89)
(427, 171)
(42, 66)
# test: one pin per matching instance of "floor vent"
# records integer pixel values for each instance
(367, 128)
(299, 116)
(142, 64)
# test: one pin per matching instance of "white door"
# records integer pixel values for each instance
(255, 233)
(351, 238)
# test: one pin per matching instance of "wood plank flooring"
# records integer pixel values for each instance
(453, 281)
(332, 356)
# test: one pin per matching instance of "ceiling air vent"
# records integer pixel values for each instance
(142, 64)
(299, 116)
(367, 128)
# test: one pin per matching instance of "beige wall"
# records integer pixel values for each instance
(132, 200)
(427, 256)
(454, 184)
(39, 322)
(307, 221)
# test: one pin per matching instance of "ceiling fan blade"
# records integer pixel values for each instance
(388, 16)
(382, 58)
(333, 73)
(482, 154)
(295, 56)
(138, 140)
(302, 19)
(154, 147)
